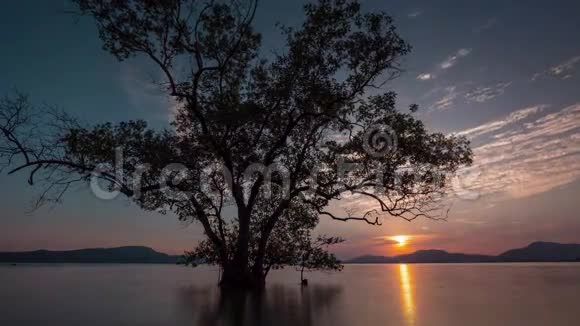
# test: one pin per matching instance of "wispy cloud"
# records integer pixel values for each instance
(145, 93)
(447, 101)
(446, 64)
(452, 60)
(415, 14)
(564, 70)
(489, 24)
(497, 125)
(426, 76)
(484, 94)
(383, 240)
(444, 98)
(527, 153)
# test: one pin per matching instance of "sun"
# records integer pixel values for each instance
(402, 240)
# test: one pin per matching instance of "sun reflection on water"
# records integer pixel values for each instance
(408, 301)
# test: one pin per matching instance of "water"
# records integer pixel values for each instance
(462, 294)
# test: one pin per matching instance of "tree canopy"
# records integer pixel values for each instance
(258, 140)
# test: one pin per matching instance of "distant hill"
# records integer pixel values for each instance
(535, 252)
(441, 256)
(543, 252)
(121, 255)
(372, 260)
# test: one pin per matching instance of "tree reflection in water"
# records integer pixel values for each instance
(278, 305)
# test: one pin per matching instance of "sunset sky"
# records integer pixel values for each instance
(505, 74)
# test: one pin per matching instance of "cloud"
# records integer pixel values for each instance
(489, 24)
(497, 125)
(536, 153)
(452, 60)
(447, 100)
(426, 76)
(484, 94)
(144, 93)
(415, 14)
(564, 70)
(448, 63)
(384, 240)
(537, 76)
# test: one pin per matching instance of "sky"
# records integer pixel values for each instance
(505, 74)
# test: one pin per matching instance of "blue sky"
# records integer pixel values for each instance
(504, 73)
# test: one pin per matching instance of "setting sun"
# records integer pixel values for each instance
(402, 240)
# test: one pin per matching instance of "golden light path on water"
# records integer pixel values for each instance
(408, 301)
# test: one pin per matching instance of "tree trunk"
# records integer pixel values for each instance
(237, 273)
(240, 277)
(241, 255)
(258, 268)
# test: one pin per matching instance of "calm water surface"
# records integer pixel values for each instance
(462, 294)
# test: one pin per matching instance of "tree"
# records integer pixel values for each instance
(291, 244)
(314, 255)
(255, 137)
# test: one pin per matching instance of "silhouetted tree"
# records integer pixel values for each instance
(290, 244)
(314, 255)
(256, 135)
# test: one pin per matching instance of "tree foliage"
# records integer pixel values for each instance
(291, 244)
(258, 139)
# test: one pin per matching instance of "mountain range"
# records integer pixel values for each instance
(121, 255)
(535, 252)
